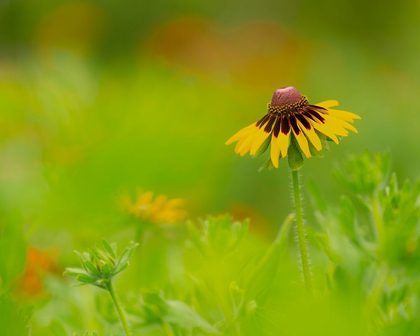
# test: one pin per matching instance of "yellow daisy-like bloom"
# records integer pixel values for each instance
(156, 210)
(291, 116)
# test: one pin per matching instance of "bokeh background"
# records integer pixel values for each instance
(98, 97)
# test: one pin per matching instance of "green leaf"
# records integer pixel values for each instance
(324, 243)
(126, 255)
(85, 279)
(156, 302)
(74, 272)
(12, 247)
(179, 313)
(266, 268)
(364, 175)
(82, 259)
(106, 269)
(268, 164)
(294, 155)
(14, 320)
(316, 197)
(314, 151)
(99, 256)
(263, 147)
(383, 161)
(87, 333)
(57, 328)
(325, 142)
(195, 237)
(108, 248)
(236, 293)
(91, 267)
(121, 268)
(348, 217)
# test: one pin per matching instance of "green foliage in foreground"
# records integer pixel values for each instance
(100, 265)
(14, 320)
(215, 278)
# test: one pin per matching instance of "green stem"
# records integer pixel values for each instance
(119, 308)
(300, 229)
(379, 225)
(167, 329)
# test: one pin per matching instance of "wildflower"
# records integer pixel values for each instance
(156, 210)
(295, 128)
(291, 121)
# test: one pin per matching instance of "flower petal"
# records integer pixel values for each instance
(325, 129)
(328, 103)
(348, 116)
(283, 142)
(275, 151)
(239, 144)
(242, 133)
(259, 139)
(303, 143)
(312, 136)
(246, 145)
(339, 125)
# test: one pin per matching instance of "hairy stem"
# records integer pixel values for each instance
(300, 229)
(119, 308)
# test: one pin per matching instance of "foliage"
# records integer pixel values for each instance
(172, 314)
(214, 277)
(100, 265)
(12, 247)
(14, 320)
(371, 242)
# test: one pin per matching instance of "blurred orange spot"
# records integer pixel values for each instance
(265, 53)
(258, 224)
(258, 53)
(38, 263)
(191, 44)
(75, 26)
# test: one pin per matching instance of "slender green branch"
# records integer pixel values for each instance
(379, 225)
(301, 234)
(119, 308)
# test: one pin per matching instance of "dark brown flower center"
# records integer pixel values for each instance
(288, 108)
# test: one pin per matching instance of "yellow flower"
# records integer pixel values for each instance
(156, 210)
(291, 118)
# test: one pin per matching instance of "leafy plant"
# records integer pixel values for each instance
(100, 265)
(173, 316)
(231, 275)
(14, 320)
(12, 247)
(371, 242)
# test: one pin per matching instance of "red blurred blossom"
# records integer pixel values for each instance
(38, 264)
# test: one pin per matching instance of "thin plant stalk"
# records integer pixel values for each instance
(379, 225)
(301, 234)
(119, 307)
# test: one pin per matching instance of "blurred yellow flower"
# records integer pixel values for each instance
(156, 210)
(290, 117)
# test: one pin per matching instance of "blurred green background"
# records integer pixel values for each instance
(98, 97)
(101, 97)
